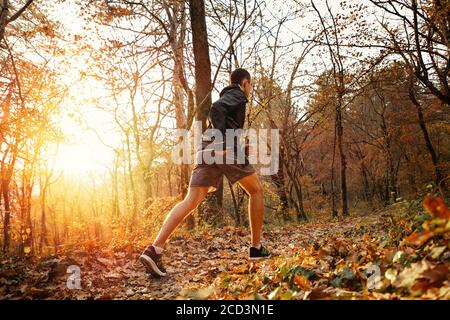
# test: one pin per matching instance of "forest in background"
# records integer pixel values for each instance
(358, 89)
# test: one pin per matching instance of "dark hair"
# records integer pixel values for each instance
(238, 75)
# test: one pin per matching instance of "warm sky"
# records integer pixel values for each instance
(84, 153)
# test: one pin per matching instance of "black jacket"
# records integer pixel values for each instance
(228, 112)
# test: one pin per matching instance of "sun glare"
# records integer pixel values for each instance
(83, 154)
(80, 159)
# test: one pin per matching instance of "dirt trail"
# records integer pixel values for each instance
(192, 262)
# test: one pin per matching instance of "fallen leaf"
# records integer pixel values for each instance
(436, 206)
(418, 239)
(408, 276)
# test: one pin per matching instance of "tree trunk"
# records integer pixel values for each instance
(132, 186)
(115, 187)
(343, 162)
(438, 177)
(429, 144)
(237, 214)
(6, 178)
(202, 60)
(169, 181)
(334, 212)
(203, 87)
(7, 219)
(44, 238)
(301, 214)
(4, 12)
(278, 180)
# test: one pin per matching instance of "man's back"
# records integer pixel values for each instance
(229, 111)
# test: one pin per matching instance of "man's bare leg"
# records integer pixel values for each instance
(194, 197)
(252, 186)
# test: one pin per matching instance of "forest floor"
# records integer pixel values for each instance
(333, 259)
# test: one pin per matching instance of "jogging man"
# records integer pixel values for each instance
(226, 113)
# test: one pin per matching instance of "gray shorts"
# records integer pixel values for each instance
(210, 175)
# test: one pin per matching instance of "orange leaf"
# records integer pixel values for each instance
(430, 278)
(302, 282)
(419, 239)
(437, 207)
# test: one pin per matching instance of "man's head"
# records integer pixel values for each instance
(243, 79)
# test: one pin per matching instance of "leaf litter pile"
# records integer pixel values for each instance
(380, 255)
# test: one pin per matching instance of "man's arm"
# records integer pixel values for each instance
(218, 115)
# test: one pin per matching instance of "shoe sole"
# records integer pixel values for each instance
(260, 258)
(151, 266)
